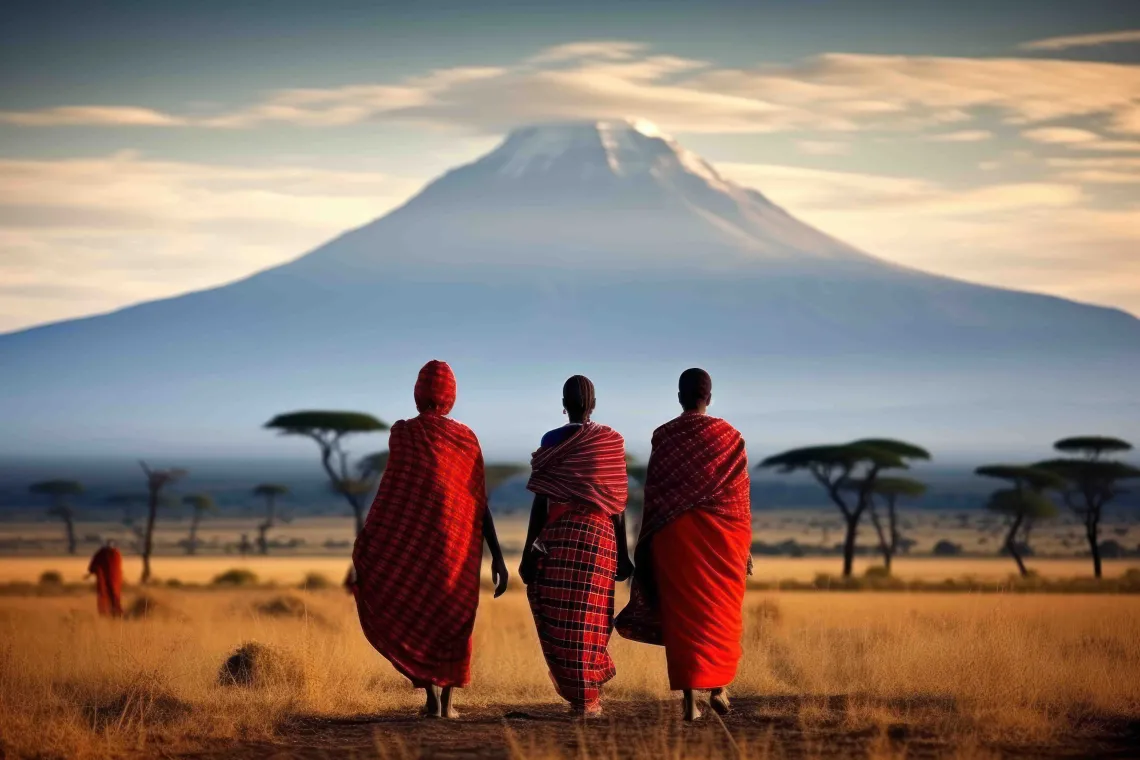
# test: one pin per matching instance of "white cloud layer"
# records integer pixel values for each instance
(87, 235)
(614, 78)
(1083, 40)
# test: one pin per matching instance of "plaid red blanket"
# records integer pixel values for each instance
(586, 468)
(418, 558)
(697, 462)
(572, 601)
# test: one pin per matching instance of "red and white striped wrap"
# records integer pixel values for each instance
(586, 468)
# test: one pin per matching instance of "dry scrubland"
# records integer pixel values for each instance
(869, 674)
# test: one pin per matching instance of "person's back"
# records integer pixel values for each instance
(576, 547)
(418, 559)
(693, 551)
(107, 567)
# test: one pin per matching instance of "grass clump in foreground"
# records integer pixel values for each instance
(235, 577)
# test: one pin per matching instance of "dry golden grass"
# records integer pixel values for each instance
(290, 570)
(980, 670)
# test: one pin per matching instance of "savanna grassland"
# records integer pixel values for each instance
(824, 674)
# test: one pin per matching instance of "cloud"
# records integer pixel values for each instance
(86, 235)
(616, 50)
(822, 148)
(1083, 40)
(1036, 236)
(64, 116)
(615, 78)
(1061, 136)
(965, 135)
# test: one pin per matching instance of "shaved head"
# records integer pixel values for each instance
(694, 390)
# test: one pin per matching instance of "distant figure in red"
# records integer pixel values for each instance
(419, 556)
(107, 567)
(693, 554)
(576, 547)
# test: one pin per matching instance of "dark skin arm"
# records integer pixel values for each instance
(538, 513)
(625, 564)
(498, 565)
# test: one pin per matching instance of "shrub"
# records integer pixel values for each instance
(946, 548)
(316, 582)
(256, 665)
(51, 578)
(877, 571)
(236, 577)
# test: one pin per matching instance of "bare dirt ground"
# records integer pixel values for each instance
(757, 728)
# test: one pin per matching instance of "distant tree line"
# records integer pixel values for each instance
(859, 478)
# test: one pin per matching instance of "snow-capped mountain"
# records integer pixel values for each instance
(596, 247)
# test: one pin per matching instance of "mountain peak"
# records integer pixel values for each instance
(621, 147)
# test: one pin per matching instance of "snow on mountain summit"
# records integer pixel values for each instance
(622, 147)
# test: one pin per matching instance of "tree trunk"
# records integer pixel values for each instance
(192, 545)
(148, 538)
(884, 545)
(849, 544)
(1092, 529)
(893, 530)
(263, 528)
(69, 522)
(358, 511)
(1011, 545)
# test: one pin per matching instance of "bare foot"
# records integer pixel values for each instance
(689, 710)
(433, 706)
(718, 700)
(446, 708)
(586, 712)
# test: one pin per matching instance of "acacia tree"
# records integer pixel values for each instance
(885, 495)
(1022, 504)
(1091, 481)
(156, 482)
(202, 504)
(269, 492)
(848, 473)
(328, 429)
(59, 492)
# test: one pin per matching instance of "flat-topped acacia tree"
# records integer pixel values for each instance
(270, 492)
(1092, 480)
(201, 504)
(1023, 503)
(329, 429)
(156, 482)
(885, 496)
(60, 491)
(837, 467)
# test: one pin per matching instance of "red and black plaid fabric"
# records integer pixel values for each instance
(418, 558)
(586, 468)
(572, 601)
(697, 462)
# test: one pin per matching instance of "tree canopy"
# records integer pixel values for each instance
(1023, 476)
(57, 488)
(898, 488)
(201, 502)
(1092, 446)
(336, 422)
(498, 473)
(268, 490)
(1016, 502)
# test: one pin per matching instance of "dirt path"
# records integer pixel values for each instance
(757, 728)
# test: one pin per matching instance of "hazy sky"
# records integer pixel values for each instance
(152, 148)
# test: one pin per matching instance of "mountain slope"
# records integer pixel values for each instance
(599, 247)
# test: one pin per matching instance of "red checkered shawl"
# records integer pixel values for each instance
(697, 462)
(586, 468)
(419, 556)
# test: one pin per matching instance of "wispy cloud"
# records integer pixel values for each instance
(1083, 40)
(86, 235)
(614, 78)
(965, 135)
(100, 116)
(823, 148)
